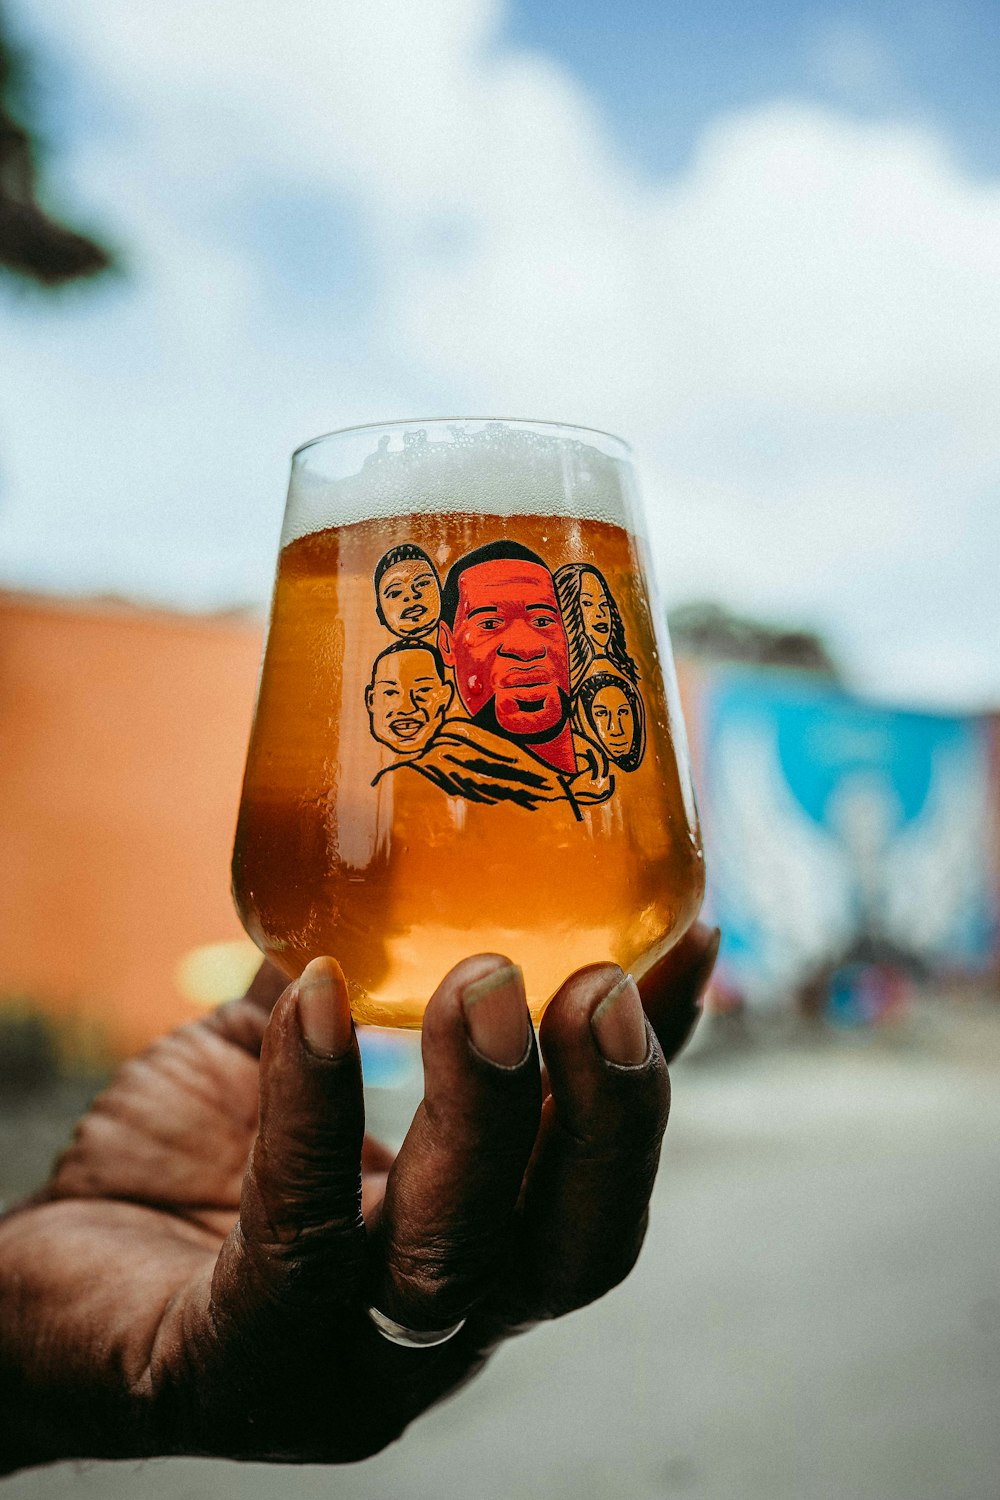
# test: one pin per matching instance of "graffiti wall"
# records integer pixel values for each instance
(842, 837)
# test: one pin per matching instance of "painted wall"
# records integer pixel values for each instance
(122, 738)
(840, 831)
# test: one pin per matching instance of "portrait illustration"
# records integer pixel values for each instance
(594, 625)
(489, 706)
(610, 709)
(407, 697)
(407, 592)
(502, 634)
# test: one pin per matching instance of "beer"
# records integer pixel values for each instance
(462, 744)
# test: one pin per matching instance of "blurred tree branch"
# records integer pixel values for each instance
(33, 244)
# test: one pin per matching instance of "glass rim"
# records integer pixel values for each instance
(530, 423)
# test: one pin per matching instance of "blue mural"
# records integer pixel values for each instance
(839, 832)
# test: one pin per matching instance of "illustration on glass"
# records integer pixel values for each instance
(507, 682)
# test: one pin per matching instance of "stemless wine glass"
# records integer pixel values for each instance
(467, 735)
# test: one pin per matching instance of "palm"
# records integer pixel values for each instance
(174, 1131)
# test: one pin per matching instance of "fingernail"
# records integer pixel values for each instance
(324, 1013)
(497, 1015)
(619, 1025)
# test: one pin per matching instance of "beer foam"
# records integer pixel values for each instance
(459, 467)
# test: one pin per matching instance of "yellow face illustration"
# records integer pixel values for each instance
(596, 612)
(410, 597)
(613, 720)
(406, 699)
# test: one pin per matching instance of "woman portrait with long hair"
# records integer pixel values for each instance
(593, 624)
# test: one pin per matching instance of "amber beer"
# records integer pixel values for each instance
(463, 744)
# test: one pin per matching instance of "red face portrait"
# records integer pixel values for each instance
(508, 644)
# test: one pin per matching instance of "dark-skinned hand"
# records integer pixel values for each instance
(195, 1277)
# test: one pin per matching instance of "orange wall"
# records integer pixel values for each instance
(122, 738)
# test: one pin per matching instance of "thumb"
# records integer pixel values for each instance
(298, 1246)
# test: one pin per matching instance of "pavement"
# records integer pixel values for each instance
(816, 1315)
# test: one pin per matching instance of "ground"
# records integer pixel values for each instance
(816, 1315)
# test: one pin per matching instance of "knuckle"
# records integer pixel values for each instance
(444, 1271)
(426, 1270)
(597, 1267)
(320, 1266)
(627, 1115)
(641, 1100)
(619, 1260)
(290, 1231)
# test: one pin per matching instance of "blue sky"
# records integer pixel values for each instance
(661, 71)
(763, 245)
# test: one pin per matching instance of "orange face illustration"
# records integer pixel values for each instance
(407, 698)
(508, 649)
(409, 596)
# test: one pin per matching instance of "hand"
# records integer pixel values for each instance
(195, 1277)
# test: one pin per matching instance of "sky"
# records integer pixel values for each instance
(762, 245)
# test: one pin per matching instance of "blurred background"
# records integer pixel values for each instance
(765, 248)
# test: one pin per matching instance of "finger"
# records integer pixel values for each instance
(452, 1192)
(299, 1243)
(376, 1156)
(587, 1192)
(376, 1159)
(266, 987)
(243, 1021)
(173, 1129)
(672, 990)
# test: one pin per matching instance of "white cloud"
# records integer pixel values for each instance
(802, 332)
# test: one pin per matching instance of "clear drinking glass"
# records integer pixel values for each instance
(467, 735)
